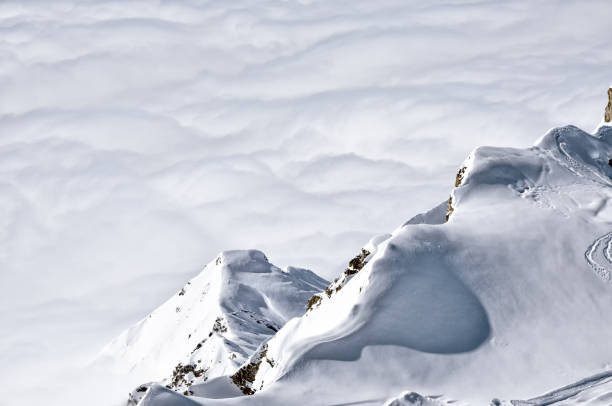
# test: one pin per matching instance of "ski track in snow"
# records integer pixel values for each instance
(568, 392)
(599, 257)
(579, 168)
(599, 254)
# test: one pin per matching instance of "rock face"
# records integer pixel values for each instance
(608, 115)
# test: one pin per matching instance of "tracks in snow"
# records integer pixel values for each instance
(599, 257)
(580, 169)
(598, 384)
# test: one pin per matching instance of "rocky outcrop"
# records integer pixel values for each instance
(458, 179)
(608, 115)
(245, 376)
(355, 265)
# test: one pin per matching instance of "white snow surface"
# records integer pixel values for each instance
(160, 394)
(595, 390)
(216, 320)
(415, 399)
(510, 299)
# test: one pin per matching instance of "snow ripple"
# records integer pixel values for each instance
(599, 256)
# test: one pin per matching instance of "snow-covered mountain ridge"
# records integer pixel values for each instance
(503, 292)
(500, 288)
(214, 323)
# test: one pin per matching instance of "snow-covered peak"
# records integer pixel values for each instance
(517, 280)
(212, 325)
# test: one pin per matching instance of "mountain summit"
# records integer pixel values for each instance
(215, 322)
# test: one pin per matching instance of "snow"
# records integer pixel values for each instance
(414, 399)
(159, 394)
(437, 215)
(214, 322)
(221, 387)
(594, 390)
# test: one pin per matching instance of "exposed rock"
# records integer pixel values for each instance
(313, 301)
(184, 375)
(459, 177)
(450, 209)
(355, 265)
(458, 181)
(608, 115)
(220, 326)
(245, 376)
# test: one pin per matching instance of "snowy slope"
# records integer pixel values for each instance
(415, 399)
(212, 325)
(518, 281)
(509, 299)
(160, 394)
(593, 391)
